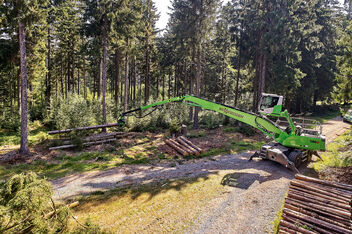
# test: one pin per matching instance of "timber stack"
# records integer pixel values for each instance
(317, 206)
(184, 146)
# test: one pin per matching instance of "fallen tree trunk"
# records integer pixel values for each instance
(83, 128)
(291, 226)
(191, 144)
(71, 205)
(182, 142)
(314, 215)
(175, 147)
(333, 184)
(321, 210)
(306, 224)
(84, 144)
(306, 197)
(189, 152)
(106, 136)
(316, 222)
(322, 189)
(330, 197)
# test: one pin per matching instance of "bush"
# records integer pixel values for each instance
(211, 120)
(10, 120)
(70, 112)
(159, 119)
(175, 127)
(74, 111)
(247, 130)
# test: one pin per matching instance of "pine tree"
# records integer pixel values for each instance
(21, 15)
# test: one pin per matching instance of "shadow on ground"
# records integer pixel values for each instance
(260, 170)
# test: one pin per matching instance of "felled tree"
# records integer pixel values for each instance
(26, 205)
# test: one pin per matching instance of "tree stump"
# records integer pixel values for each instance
(184, 130)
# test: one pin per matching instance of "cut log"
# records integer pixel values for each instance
(322, 189)
(184, 130)
(191, 144)
(189, 152)
(315, 221)
(84, 144)
(328, 212)
(320, 204)
(181, 142)
(295, 227)
(83, 128)
(308, 225)
(286, 230)
(175, 147)
(329, 183)
(312, 214)
(330, 197)
(307, 196)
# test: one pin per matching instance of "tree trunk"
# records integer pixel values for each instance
(73, 75)
(238, 75)
(68, 86)
(147, 57)
(169, 90)
(147, 72)
(134, 78)
(78, 79)
(163, 87)
(117, 75)
(19, 89)
(195, 123)
(157, 87)
(62, 77)
(99, 77)
(22, 40)
(238, 66)
(104, 74)
(176, 83)
(84, 78)
(48, 86)
(126, 80)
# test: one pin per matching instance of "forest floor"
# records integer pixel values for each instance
(141, 185)
(222, 194)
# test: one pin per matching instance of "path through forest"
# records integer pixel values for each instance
(255, 191)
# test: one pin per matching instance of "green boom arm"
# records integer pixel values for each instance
(265, 125)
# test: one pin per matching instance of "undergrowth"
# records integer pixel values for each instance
(338, 154)
(38, 133)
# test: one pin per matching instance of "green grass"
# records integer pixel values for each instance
(67, 164)
(37, 134)
(338, 154)
(197, 134)
(326, 115)
(233, 147)
(276, 221)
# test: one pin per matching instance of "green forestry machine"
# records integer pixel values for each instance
(291, 145)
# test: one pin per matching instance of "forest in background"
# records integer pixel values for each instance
(83, 62)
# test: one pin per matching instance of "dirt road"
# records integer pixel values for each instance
(255, 191)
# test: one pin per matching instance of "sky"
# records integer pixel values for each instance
(163, 9)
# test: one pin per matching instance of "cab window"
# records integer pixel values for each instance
(269, 102)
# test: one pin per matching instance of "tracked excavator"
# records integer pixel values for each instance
(293, 140)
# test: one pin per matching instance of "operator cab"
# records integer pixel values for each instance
(270, 104)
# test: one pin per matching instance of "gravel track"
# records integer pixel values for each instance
(249, 206)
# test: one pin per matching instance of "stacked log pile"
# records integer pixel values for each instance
(93, 140)
(317, 206)
(184, 146)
